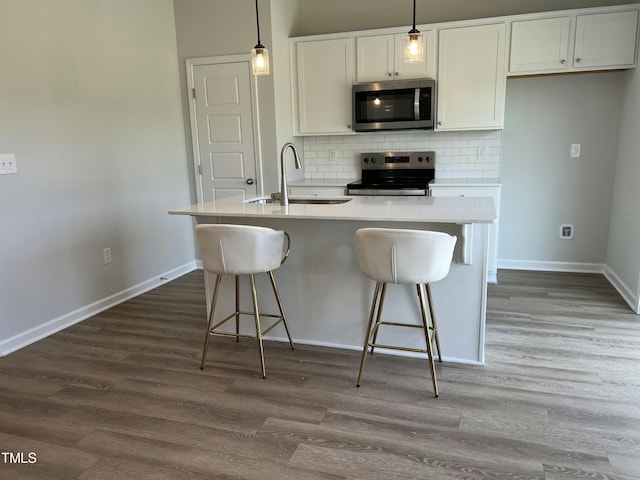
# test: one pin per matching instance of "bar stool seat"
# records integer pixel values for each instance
(242, 250)
(403, 256)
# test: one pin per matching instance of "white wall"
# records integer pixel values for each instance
(89, 103)
(208, 28)
(623, 253)
(542, 186)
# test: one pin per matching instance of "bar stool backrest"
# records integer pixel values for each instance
(404, 256)
(239, 249)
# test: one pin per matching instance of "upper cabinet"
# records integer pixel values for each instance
(324, 76)
(381, 57)
(573, 43)
(538, 45)
(470, 61)
(606, 40)
(471, 78)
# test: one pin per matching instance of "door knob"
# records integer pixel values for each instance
(249, 181)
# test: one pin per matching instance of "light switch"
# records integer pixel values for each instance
(333, 156)
(8, 164)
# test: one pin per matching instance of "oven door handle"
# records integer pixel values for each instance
(416, 104)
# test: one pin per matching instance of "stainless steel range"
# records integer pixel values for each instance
(395, 173)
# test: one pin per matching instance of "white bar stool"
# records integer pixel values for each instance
(402, 256)
(242, 250)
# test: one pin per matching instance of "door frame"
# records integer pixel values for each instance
(191, 63)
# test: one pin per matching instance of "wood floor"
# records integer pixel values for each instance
(121, 396)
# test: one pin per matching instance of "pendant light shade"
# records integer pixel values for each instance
(414, 44)
(259, 54)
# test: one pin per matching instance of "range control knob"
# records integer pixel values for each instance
(373, 160)
(365, 159)
(420, 159)
(428, 159)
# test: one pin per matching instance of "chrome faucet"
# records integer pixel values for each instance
(284, 194)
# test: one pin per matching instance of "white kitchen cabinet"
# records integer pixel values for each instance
(381, 57)
(324, 78)
(471, 78)
(475, 188)
(539, 45)
(574, 43)
(606, 40)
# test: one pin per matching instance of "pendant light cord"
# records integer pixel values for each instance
(414, 14)
(258, 21)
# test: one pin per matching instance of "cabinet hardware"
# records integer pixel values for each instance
(578, 60)
(249, 181)
(563, 61)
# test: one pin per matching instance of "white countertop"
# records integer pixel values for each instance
(460, 210)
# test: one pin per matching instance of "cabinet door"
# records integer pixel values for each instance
(374, 58)
(424, 69)
(325, 76)
(471, 78)
(539, 45)
(606, 40)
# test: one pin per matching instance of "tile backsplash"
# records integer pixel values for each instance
(458, 154)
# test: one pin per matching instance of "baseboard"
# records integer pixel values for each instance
(34, 334)
(625, 292)
(551, 266)
(633, 300)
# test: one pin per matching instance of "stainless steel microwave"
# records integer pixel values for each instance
(394, 105)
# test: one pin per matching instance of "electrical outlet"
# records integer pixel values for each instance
(575, 150)
(8, 164)
(566, 231)
(482, 153)
(106, 256)
(333, 156)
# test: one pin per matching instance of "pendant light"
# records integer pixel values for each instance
(413, 51)
(259, 54)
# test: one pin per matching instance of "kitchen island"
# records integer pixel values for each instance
(327, 298)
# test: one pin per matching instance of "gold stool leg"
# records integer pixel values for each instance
(376, 328)
(433, 321)
(210, 322)
(280, 307)
(365, 348)
(258, 328)
(427, 334)
(237, 308)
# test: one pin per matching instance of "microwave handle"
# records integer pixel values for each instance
(416, 104)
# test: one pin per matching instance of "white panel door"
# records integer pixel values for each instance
(224, 133)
